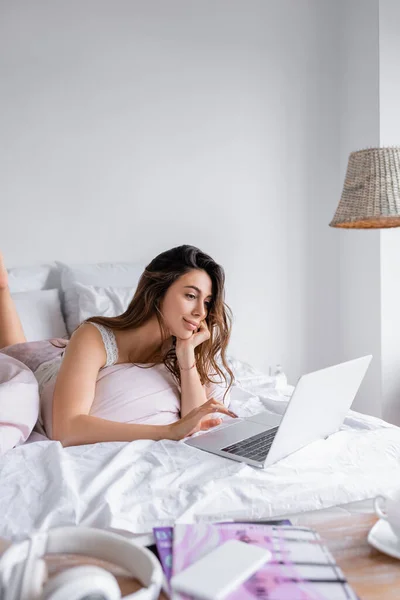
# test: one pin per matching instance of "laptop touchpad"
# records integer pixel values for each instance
(266, 418)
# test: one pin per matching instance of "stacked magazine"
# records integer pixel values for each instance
(301, 567)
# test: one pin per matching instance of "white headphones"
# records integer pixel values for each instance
(23, 572)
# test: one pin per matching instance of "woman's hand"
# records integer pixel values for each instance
(197, 420)
(185, 348)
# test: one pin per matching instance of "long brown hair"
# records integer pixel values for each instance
(157, 277)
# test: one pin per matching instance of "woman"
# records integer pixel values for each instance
(168, 338)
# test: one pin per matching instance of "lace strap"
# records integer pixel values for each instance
(110, 343)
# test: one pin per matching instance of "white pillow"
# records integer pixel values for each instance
(40, 314)
(99, 301)
(25, 279)
(101, 275)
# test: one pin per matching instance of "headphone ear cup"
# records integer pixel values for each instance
(38, 578)
(33, 581)
(76, 583)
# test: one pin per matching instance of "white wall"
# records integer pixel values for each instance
(389, 88)
(128, 127)
(370, 260)
(360, 303)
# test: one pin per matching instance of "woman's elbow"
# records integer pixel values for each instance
(61, 433)
(59, 438)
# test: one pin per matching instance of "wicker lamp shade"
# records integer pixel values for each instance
(371, 192)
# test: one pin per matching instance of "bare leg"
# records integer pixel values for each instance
(11, 331)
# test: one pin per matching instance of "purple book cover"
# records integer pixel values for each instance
(301, 567)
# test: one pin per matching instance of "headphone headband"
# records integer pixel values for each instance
(96, 543)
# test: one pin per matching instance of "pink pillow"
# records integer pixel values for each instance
(19, 402)
(33, 354)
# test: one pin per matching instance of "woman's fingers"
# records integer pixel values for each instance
(203, 328)
(198, 415)
(209, 423)
(222, 408)
(214, 406)
(224, 411)
(199, 420)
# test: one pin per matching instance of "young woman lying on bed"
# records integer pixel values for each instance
(146, 374)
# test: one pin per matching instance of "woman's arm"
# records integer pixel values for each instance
(74, 394)
(89, 430)
(193, 393)
(86, 429)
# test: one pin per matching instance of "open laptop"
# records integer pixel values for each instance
(316, 409)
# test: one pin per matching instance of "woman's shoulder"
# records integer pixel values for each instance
(87, 341)
(95, 335)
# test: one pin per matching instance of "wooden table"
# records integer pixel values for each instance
(372, 575)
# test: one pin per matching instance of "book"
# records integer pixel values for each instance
(301, 568)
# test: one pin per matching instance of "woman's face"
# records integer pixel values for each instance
(186, 303)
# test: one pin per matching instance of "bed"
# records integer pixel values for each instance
(132, 487)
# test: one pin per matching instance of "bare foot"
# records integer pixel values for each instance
(3, 274)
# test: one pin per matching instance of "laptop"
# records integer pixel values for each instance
(317, 409)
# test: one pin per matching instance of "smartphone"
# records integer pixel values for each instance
(218, 573)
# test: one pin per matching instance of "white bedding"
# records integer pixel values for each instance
(133, 487)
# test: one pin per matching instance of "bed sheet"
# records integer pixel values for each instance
(132, 487)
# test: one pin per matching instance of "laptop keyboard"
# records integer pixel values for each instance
(255, 447)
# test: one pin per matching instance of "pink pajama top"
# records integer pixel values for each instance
(124, 392)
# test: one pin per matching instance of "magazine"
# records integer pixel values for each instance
(301, 568)
(163, 537)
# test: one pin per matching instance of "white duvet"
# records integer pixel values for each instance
(135, 486)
